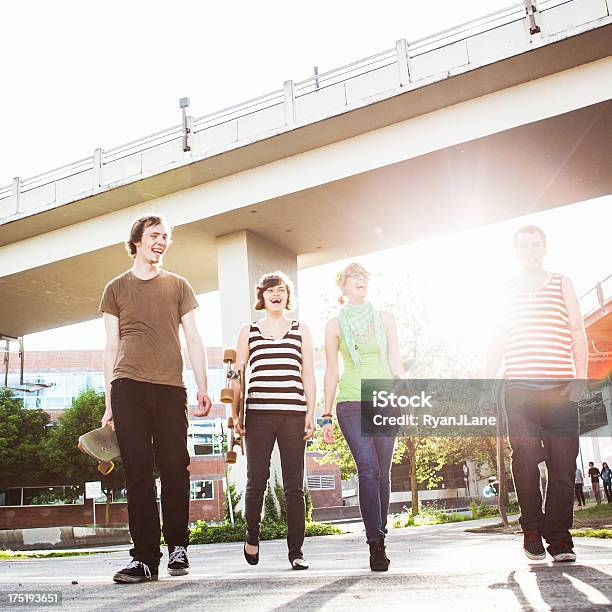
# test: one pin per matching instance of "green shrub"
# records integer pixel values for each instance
(592, 533)
(204, 533)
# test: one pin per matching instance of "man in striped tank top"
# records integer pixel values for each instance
(540, 347)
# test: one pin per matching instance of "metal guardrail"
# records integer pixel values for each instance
(597, 297)
(400, 56)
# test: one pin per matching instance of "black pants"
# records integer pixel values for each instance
(579, 494)
(262, 430)
(151, 426)
(544, 424)
(608, 490)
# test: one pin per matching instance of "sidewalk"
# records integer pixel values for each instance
(433, 568)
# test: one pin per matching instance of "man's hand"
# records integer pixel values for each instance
(488, 400)
(575, 389)
(328, 434)
(107, 417)
(309, 426)
(204, 405)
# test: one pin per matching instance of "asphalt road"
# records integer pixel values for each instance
(432, 568)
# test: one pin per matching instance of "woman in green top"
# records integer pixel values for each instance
(367, 341)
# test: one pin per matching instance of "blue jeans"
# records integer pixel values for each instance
(373, 455)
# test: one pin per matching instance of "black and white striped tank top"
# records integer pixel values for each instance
(539, 344)
(275, 371)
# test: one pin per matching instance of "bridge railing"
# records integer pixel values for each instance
(597, 297)
(408, 64)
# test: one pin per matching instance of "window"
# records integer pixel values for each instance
(216, 381)
(66, 386)
(41, 496)
(204, 438)
(201, 489)
(321, 481)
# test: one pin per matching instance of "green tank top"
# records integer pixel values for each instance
(372, 366)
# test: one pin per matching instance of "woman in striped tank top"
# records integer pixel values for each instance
(280, 387)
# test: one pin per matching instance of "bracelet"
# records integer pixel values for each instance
(325, 420)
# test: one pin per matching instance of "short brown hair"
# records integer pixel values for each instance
(272, 279)
(137, 230)
(529, 229)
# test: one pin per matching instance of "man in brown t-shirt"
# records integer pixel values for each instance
(146, 400)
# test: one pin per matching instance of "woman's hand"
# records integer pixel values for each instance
(328, 434)
(238, 428)
(309, 426)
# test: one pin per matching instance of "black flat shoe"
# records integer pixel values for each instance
(251, 559)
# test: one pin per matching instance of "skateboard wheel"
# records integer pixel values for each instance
(230, 457)
(230, 422)
(229, 356)
(105, 468)
(227, 396)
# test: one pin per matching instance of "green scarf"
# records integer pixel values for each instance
(357, 321)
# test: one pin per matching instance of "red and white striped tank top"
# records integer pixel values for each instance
(539, 344)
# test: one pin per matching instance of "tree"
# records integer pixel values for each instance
(22, 435)
(233, 494)
(271, 515)
(61, 451)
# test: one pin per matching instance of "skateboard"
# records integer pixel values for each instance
(502, 493)
(227, 397)
(102, 445)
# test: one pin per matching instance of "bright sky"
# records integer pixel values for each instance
(84, 76)
(80, 75)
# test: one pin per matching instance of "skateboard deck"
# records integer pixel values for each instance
(227, 396)
(101, 444)
(502, 495)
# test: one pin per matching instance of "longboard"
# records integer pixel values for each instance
(227, 397)
(502, 496)
(102, 445)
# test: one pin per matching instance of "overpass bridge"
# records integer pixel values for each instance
(596, 305)
(499, 117)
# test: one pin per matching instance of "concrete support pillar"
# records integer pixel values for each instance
(242, 257)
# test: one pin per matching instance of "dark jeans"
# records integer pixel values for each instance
(608, 489)
(262, 430)
(151, 425)
(579, 494)
(544, 424)
(373, 455)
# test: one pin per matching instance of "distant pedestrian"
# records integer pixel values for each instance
(578, 487)
(606, 477)
(594, 474)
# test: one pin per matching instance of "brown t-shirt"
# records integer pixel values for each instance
(149, 313)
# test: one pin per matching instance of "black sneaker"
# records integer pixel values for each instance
(378, 557)
(532, 545)
(136, 571)
(178, 564)
(299, 564)
(562, 551)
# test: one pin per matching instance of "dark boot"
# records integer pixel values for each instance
(378, 557)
